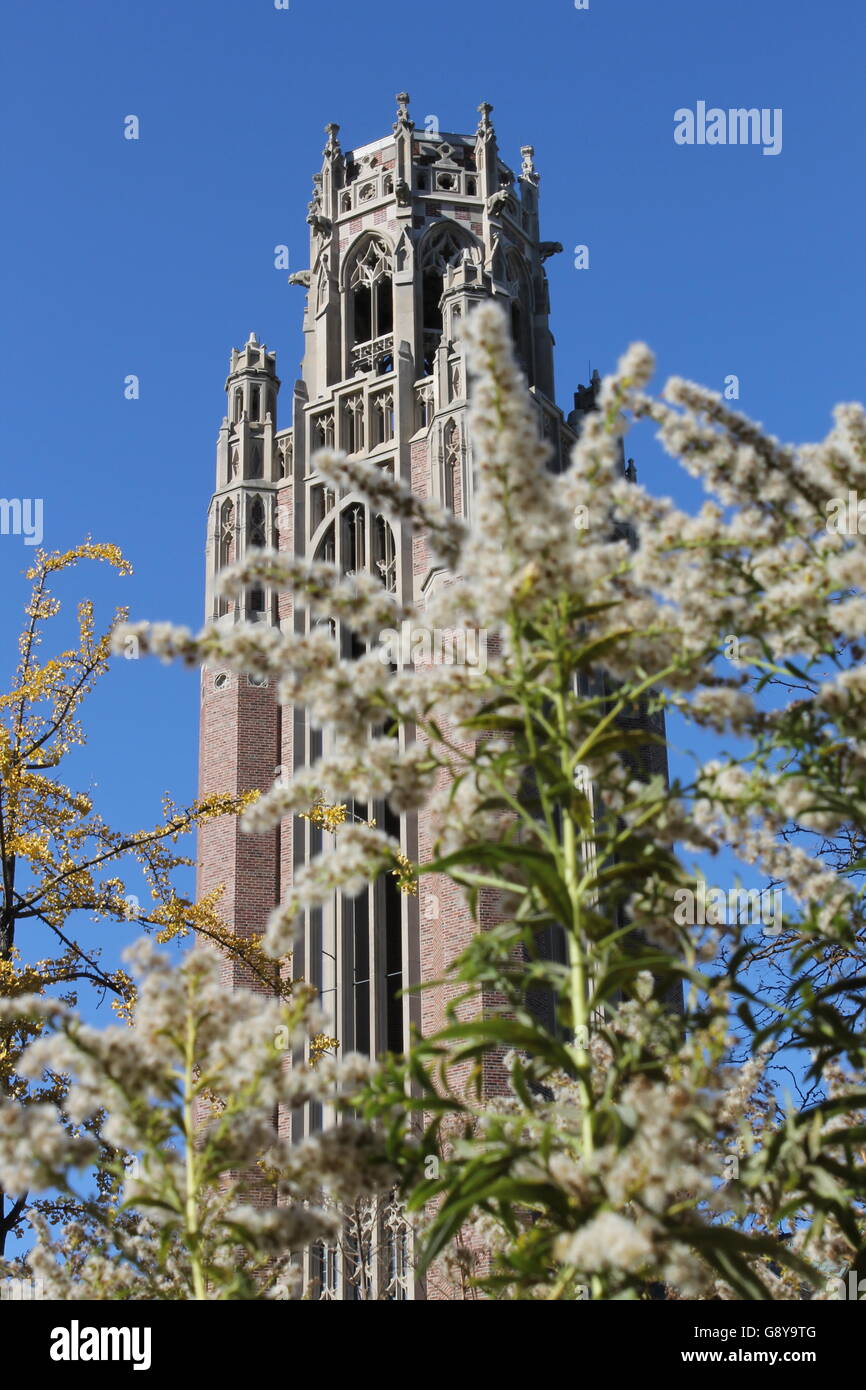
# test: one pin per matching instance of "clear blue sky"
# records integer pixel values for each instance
(154, 257)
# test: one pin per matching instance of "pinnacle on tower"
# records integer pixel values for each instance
(403, 121)
(485, 125)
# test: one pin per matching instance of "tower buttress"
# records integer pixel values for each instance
(243, 516)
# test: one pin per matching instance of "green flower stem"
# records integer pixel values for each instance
(191, 1226)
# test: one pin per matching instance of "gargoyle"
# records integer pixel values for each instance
(320, 224)
(496, 202)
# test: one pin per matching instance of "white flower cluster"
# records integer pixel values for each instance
(360, 854)
(358, 599)
(445, 532)
(195, 1080)
(378, 768)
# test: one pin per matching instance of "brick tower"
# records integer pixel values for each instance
(407, 233)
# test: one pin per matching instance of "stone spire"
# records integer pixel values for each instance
(486, 152)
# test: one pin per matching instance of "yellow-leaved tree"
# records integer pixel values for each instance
(62, 866)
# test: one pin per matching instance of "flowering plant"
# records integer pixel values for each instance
(624, 1149)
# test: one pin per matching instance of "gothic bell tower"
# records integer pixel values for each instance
(406, 234)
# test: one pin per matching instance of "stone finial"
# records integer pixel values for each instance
(485, 126)
(332, 148)
(403, 121)
(252, 341)
(527, 169)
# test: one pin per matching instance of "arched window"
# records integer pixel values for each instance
(325, 550)
(444, 247)
(323, 430)
(384, 553)
(423, 405)
(239, 404)
(285, 458)
(256, 524)
(255, 402)
(353, 423)
(353, 547)
(383, 417)
(371, 297)
(321, 502)
(256, 461)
